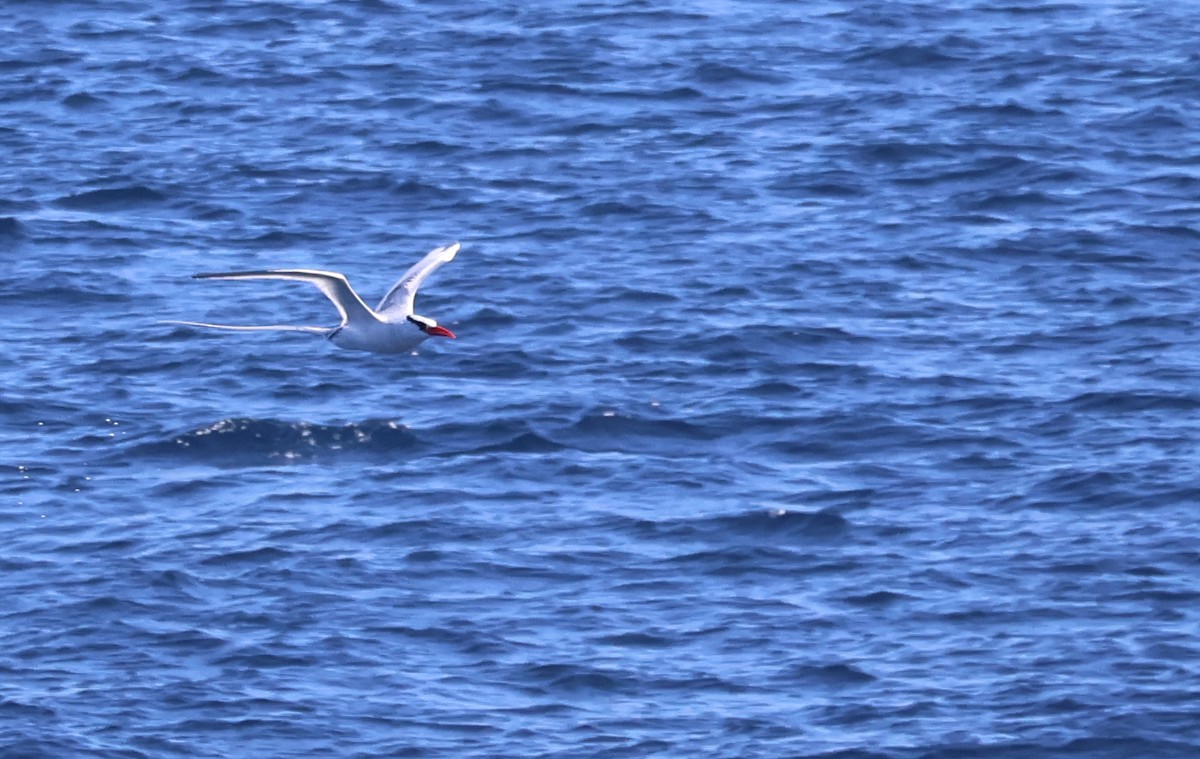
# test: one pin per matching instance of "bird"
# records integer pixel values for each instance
(391, 327)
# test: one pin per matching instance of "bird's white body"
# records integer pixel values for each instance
(378, 337)
(391, 327)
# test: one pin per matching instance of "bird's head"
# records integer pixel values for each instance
(429, 327)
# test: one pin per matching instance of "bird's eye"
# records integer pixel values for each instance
(420, 324)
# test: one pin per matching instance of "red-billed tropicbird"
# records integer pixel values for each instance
(391, 327)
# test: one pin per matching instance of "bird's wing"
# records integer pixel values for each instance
(236, 328)
(399, 299)
(334, 285)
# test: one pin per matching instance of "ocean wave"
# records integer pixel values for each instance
(114, 198)
(251, 441)
(257, 440)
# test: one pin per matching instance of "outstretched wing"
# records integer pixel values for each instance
(237, 328)
(334, 285)
(399, 300)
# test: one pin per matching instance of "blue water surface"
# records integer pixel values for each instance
(825, 383)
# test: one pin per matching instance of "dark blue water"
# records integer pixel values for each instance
(826, 382)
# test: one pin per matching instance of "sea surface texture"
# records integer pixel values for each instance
(827, 380)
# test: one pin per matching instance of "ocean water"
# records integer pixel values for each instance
(826, 382)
